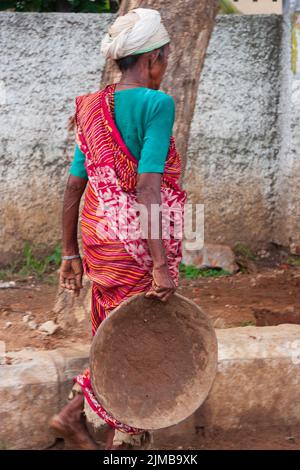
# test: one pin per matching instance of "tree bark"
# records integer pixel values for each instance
(190, 24)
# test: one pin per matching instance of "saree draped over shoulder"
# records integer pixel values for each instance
(116, 256)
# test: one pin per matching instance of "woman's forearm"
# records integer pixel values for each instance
(73, 193)
(153, 224)
(148, 194)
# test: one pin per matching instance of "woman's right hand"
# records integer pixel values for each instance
(70, 276)
(163, 285)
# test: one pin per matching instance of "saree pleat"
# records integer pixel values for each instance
(108, 265)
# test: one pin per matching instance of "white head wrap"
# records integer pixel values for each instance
(140, 30)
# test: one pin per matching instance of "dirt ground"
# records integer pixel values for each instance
(266, 297)
(268, 438)
(34, 298)
(261, 439)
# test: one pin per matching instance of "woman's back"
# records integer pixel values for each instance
(144, 118)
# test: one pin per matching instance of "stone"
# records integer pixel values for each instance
(7, 285)
(266, 317)
(32, 325)
(219, 323)
(32, 388)
(263, 254)
(8, 324)
(70, 310)
(258, 379)
(28, 397)
(49, 327)
(211, 256)
(295, 249)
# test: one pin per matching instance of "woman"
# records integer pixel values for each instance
(125, 156)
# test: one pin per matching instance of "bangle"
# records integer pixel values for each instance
(70, 257)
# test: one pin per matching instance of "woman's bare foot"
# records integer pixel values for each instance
(109, 445)
(109, 439)
(144, 441)
(70, 425)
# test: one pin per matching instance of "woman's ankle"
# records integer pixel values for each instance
(73, 410)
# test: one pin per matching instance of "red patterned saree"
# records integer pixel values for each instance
(116, 256)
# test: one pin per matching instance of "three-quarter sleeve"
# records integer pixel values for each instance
(77, 167)
(158, 130)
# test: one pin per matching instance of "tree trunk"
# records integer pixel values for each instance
(190, 24)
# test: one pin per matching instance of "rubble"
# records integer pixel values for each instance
(211, 256)
(49, 327)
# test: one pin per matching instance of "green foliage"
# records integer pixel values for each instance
(248, 323)
(192, 272)
(83, 6)
(7, 273)
(227, 7)
(32, 265)
(29, 5)
(294, 261)
(244, 250)
(51, 279)
(7, 4)
(89, 6)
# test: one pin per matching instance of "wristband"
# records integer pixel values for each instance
(70, 257)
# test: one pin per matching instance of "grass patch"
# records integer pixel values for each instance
(248, 323)
(294, 261)
(192, 272)
(227, 7)
(241, 249)
(7, 273)
(32, 265)
(51, 279)
(38, 266)
(243, 269)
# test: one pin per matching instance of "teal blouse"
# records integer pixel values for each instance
(144, 118)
